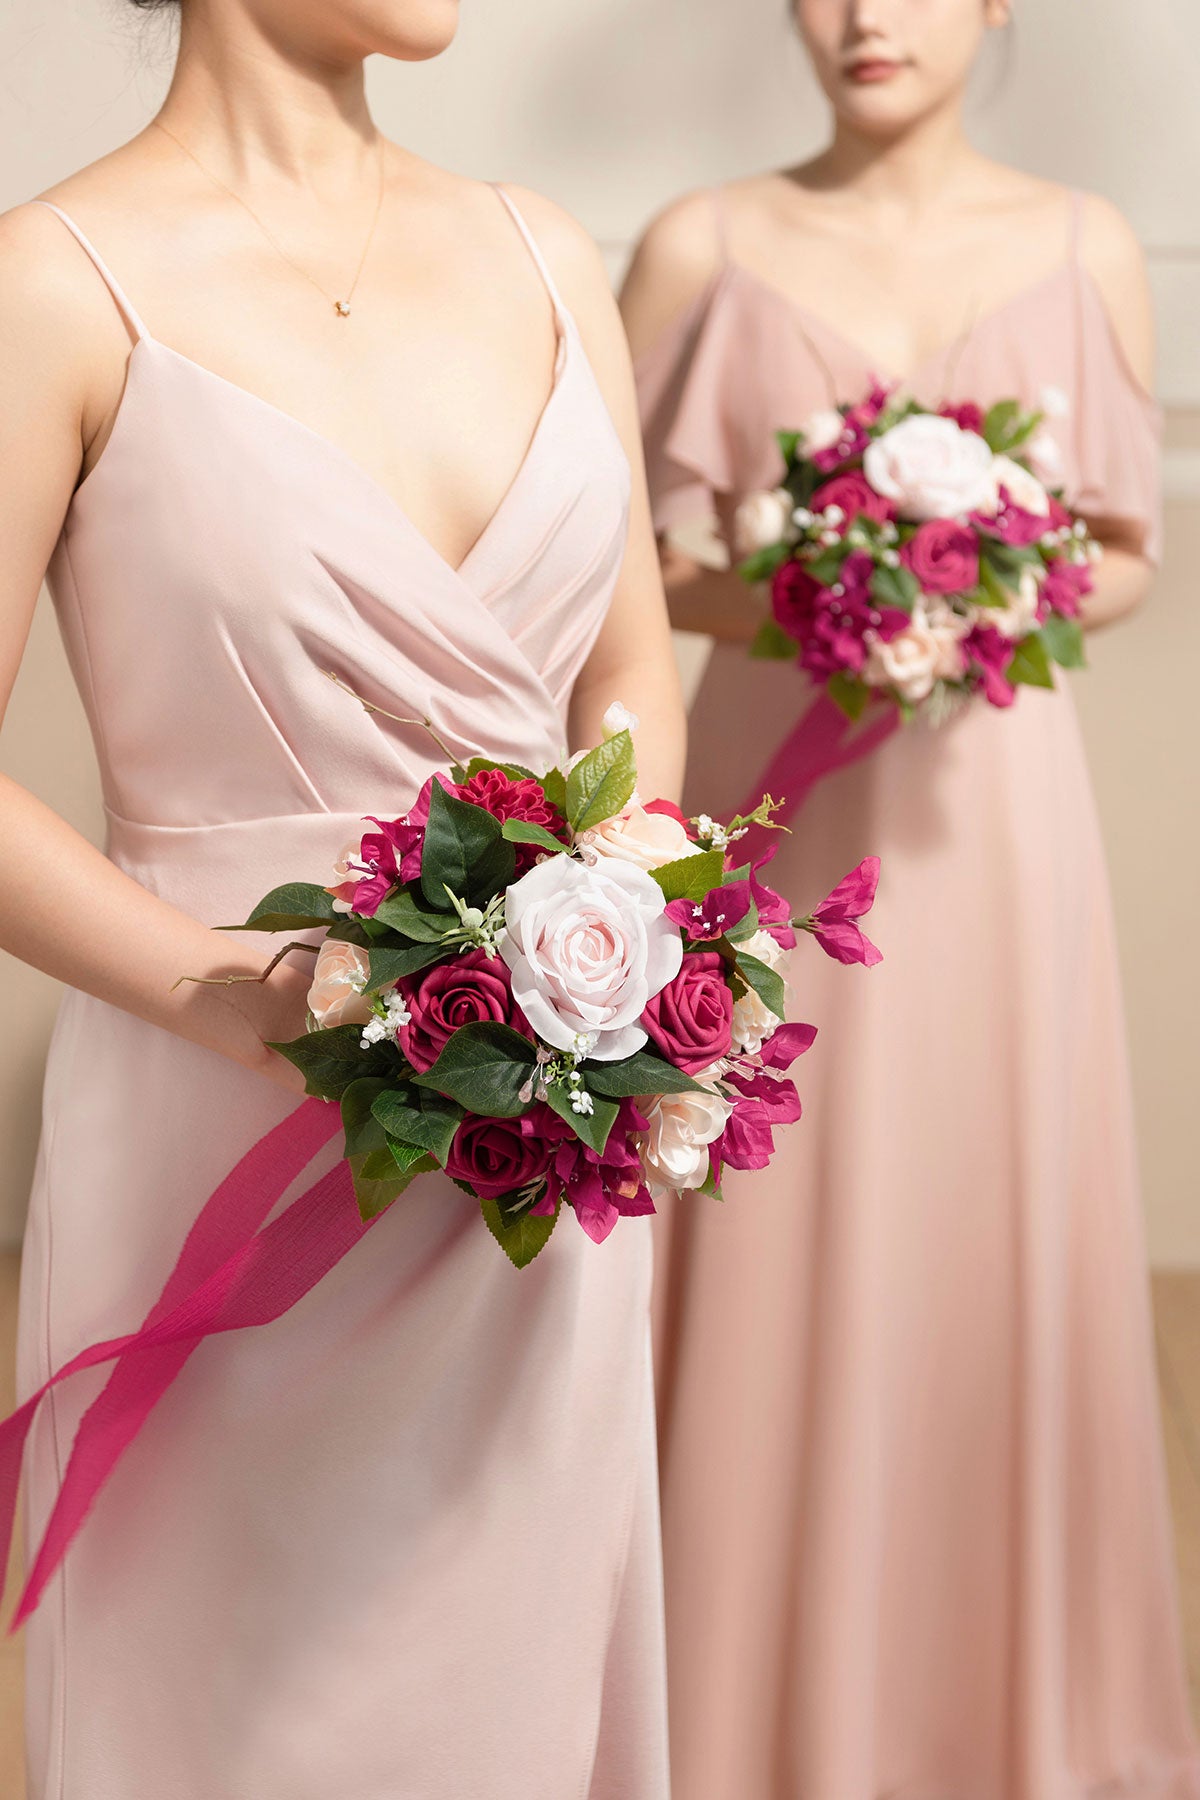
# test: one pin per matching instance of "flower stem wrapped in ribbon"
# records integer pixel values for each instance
(553, 992)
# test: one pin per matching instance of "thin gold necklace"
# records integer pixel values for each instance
(341, 307)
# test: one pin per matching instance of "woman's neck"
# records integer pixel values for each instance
(253, 108)
(926, 165)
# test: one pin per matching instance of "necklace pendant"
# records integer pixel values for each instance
(342, 308)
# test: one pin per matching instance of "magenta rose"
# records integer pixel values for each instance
(499, 1156)
(855, 495)
(691, 1019)
(794, 598)
(468, 988)
(944, 557)
(1065, 585)
(967, 416)
(508, 798)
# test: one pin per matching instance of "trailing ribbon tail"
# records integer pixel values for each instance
(233, 1273)
(823, 741)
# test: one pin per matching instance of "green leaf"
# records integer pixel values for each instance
(363, 1131)
(403, 912)
(377, 1182)
(895, 587)
(523, 831)
(601, 784)
(525, 1237)
(691, 877)
(849, 695)
(331, 1060)
(411, 1160)
(428, 1125)
(464, 851)
(771, 643)
(295, 907)
(1030, 667)
(1064, 640)
(764, 563)
(789, 444)
(515, 771)
(641, 1073)
(1000, 422)
(390, 961)
(554, 786)
(993, 589)
(484, 1067)
(746, 928)
(593, 1128)
(826, 567)
(767, 983)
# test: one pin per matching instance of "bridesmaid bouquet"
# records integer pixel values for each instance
(555, 993)
(919, 557)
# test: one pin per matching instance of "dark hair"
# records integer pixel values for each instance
(154, 5)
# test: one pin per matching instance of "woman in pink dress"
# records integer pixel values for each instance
(277, 398)
(915, 1530)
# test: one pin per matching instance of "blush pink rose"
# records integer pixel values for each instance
(336, 997)
(930, 468)
(468, 989)
(500, 1156)
(691, 1020)
(943, 556)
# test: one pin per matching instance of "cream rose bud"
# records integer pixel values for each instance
(762, 520)
(823, 431)
(1046, 458)
(908, 663)
(930, 468)
(340, 974)
(618, 718)
(767, 949)
(948, 629)
(647, 840)
(1024, 489)
(674, 1147)
(753, 1022)
(588, 948)
(1020, 616)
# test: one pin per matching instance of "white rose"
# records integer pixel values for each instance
(647, 840)
(618, 718)
(762, 520)
(823, 431)
(588, 948)
(680, 1127)
(930, 468)
(1024, 489)
(1020, 616)
(753, 1022)
(908, 663)
(1046, 458)
(948, 629)
(767, 949)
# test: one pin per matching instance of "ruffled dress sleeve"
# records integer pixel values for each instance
(1116, 431)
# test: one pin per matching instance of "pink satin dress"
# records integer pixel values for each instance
(403, 1544)
(915, 1527)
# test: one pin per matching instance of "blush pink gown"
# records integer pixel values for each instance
(402, 1545)
(915, 1530)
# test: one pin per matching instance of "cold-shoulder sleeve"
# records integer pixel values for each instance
(689, 422)
(1117, 432)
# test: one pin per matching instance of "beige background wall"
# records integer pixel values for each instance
(612, 106)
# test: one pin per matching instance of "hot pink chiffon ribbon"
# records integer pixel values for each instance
(234, 1272)
(822, 742)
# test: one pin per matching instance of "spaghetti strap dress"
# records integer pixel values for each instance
(403, 1543)
(916, 1532)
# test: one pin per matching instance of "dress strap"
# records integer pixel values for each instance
(561, 311)
(124, 306)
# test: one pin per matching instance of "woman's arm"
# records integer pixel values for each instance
(633, 660)
(1115, 261)
(64, 907)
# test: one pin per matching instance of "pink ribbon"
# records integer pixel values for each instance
(823, 741)
(234, 1272)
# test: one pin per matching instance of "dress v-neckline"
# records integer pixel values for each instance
(815, 321)
(146, 345)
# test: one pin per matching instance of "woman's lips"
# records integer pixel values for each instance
(873, 69)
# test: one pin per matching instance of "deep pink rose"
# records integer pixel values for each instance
(508, 798)
(499, 1156)
(691, 1019)
(944, 557)
(1065, 585)
(794, 597)
(967, 416)
(468, 988)
(854, 494)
